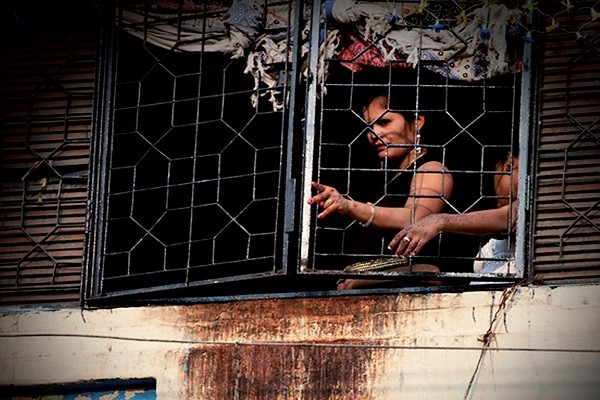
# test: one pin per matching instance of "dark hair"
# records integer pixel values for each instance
(402, 104)
(499, 154)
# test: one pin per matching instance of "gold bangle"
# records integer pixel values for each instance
(371, 217)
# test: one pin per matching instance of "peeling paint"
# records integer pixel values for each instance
(282, 372)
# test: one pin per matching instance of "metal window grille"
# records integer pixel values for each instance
(202, 170)
(47, 60)
(566, 222)
(195, 177)
(466, 121)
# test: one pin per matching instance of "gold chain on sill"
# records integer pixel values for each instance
(377, 264)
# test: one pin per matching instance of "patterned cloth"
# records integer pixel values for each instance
(360, 54)
(375, 34)
(245, 14)
(192, 6)
(471, 50)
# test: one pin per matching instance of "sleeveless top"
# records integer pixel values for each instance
(361, 244)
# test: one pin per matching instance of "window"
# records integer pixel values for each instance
(211, 135)
(196, 177)
(471, 102)
(47, 61)
(154, 72)
(566, 223)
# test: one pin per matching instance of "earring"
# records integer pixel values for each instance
(418, 142)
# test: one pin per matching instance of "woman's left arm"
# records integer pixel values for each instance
(429, 186)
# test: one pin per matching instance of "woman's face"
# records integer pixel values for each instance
(389, 128)
(506, 184)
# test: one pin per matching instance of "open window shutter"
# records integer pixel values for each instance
(47, 61)
(566, 215)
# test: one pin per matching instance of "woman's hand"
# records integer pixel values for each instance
(329, 199)
(410, 240)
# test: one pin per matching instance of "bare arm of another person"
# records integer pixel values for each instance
(410, 240)
(428, 186)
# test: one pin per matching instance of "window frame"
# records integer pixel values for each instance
(298, 214)
(526, 129)
(104, 104)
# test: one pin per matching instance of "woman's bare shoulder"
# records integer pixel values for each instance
(432, 165)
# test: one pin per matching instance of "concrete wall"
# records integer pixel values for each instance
(543, 343)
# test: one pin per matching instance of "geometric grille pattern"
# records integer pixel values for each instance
(566, 242)
(194, 182)
(46, 81)
(195, 185)
(194, 173)
(466, 121)
(464, 137)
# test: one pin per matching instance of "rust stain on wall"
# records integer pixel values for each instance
(325, 348)
(280, 372)
(332, 319)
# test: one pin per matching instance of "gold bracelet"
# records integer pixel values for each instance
(371, 217)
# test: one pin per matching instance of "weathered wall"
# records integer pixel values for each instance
(544, 345)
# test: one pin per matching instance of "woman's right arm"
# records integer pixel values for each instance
(410, 240)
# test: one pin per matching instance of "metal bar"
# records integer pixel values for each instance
(524, 178)
(294, 76)
(309, 134)
(97, 189)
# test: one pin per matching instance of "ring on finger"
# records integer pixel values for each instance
(406, 239)
(328, 202)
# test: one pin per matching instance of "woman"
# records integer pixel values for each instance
(419, 176)
(501, 220)
(395, 136)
